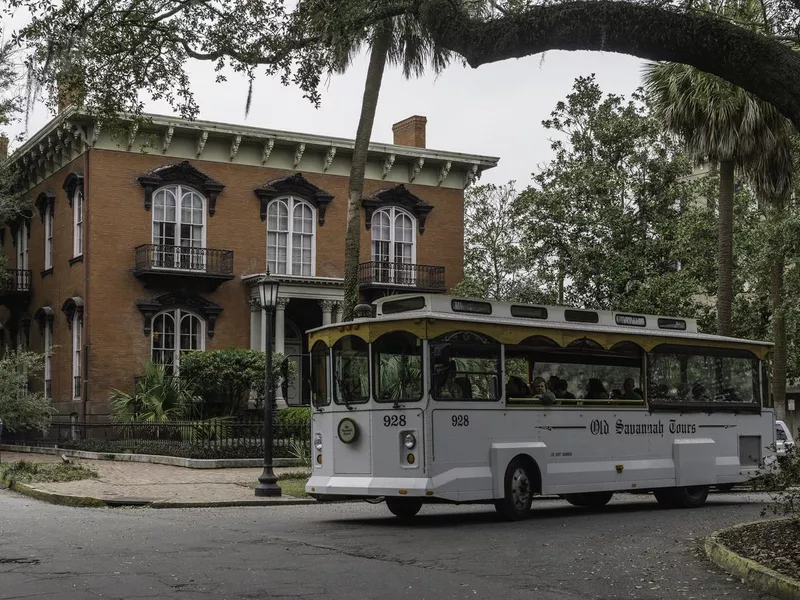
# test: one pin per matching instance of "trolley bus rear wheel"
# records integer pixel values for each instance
(519, 485)
(589, 499)
(405, 508)
(693, 496)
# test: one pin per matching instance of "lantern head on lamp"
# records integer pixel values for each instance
(268, 292)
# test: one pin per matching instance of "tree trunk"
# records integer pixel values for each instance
(776, 290)
(725, 249)
(757, 63)
(369, 104)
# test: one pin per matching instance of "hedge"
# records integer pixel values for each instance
(162, 449)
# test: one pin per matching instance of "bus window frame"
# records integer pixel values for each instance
(754, 407)
(375, 369)
(450, 344)
(550, 354)
(328, 374)
(338, 401)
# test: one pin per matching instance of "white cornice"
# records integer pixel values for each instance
(322, 151)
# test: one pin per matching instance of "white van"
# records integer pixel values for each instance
(783, 438)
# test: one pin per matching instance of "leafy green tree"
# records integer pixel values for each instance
(495, 264)
(601, 214)
(21, 408)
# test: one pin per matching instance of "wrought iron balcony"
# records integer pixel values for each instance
(155, 260)
(401, 276)
(18, 282)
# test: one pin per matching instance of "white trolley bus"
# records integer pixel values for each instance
(441, 399)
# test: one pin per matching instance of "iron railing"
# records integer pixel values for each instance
(202, 261)
(19, 280)
(235, 438)
(402, 275)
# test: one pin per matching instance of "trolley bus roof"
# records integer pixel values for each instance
(431, 315)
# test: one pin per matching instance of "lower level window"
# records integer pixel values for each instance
(175, 332)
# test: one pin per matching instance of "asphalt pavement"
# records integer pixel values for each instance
(630, 549)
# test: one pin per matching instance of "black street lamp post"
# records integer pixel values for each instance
(267, 481)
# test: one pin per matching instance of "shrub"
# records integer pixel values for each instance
(225, 378)
(159, 397)
(20, 408)
(30, 472)
(782, 482)
(295, 415)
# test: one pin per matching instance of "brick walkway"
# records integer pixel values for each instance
(155, 483)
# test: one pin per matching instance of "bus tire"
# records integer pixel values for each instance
(518, 491)
(682, 497)
(693, 496)
(405, 508)
(589, 499)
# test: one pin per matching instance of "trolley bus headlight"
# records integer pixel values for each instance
(410, 441)
(318, 442)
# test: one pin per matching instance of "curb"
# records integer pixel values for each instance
(90, 502)
(756, 575)
(156, 459)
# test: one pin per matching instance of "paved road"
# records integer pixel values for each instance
(631, 549)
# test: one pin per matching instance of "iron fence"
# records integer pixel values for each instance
(212, 438)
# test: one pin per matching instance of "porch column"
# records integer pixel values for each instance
(256, 338)
(327, 308)
(280, 342)
(335, 313)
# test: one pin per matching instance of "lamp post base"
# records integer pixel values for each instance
(267, 484)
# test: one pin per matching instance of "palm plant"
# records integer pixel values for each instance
(159, 397)
(720, 123)
(773, 178)
(399, 41)
(723, 124)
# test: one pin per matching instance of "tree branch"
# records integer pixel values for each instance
(761, 65)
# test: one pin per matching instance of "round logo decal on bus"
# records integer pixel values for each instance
(347, 430)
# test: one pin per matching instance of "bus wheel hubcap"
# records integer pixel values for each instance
(520, 489)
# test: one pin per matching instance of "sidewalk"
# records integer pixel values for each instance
(158, 486)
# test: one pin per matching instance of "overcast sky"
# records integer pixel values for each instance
(495, 110)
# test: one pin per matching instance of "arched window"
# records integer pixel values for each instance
(393, 245)
(179, 227)
(175, 332)
(291, 246)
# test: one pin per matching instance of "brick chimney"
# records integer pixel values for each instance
(3, 147)
(70, 89)
(410, 132)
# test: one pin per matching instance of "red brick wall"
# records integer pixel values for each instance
(53, 289)
(118, 222)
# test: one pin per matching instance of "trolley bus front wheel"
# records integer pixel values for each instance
(693, 496)
(519, 489)
(405, 508)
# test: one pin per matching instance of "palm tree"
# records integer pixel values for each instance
(773, 178)
(400, 41)
(725, 125)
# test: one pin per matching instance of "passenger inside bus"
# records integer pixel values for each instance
(541, 392)
(517, 388)
(628, 391)
(595, 390)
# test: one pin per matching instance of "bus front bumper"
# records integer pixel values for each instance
(342, 487)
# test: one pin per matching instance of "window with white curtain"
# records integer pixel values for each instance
(77, 219)
(291, 243)
(179, 228)
(77, 341)
(48, 237)
(174, 333)
(393, 245)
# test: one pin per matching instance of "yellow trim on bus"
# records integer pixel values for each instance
(427, 328)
